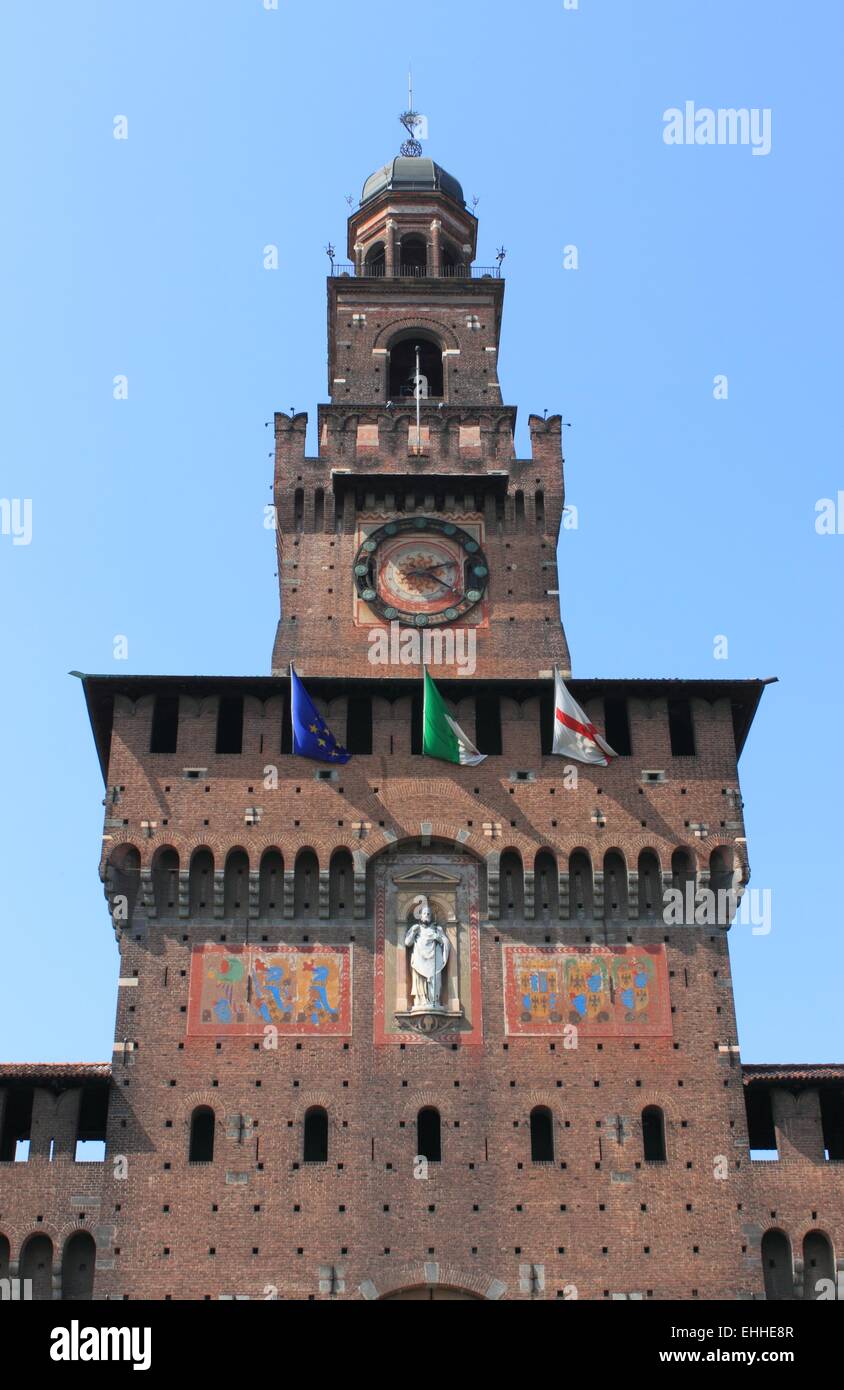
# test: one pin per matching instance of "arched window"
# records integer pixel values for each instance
(615, 885)
(650, 884)
(681, 867)
(511, 887)
(306, 884)
(78, 1259)
(271, 884)
(315, 1147)
(653, 1134)
(520, 509)
(818, 1266)
(541, 1135)
(36, 1263)
(201, 1147)
(414, 256)
(539, 507)
(201, 881)
(4, 1257)
(319, 509)
(777, 1266)
(341, 885)
(451, 261)
(299, 509)
(580, 885)
(428, 1136)
(546, 886)
(236, 889)
(721, 869)
(403, 367)
(165, 881)
(123, 882)
(375, 262)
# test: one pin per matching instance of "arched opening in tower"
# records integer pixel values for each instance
(376, 262)
(414, 256)
(403, 368)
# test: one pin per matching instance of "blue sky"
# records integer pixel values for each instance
(250, 126)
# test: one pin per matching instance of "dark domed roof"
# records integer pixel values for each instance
(412, 175)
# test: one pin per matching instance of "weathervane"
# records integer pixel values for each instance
(411, 120)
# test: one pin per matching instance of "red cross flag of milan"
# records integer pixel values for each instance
(574, 736)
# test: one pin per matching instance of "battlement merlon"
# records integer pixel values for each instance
(463, 452)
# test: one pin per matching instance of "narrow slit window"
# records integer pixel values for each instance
(416, 724)
(617, 726)
(165, 724)
(653, 1134)
(428, 1136)
(201, 1148)
(316, 1136)
(541, 1135)
(230, 724)
(488, 724)
(359, 724)
(681, 729)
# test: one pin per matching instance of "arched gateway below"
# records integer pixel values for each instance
(430, 1292)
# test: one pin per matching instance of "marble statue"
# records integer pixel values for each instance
(428, 959)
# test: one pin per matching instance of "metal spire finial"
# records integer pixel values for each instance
(411, 120)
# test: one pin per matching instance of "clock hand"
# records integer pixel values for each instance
(447, 564)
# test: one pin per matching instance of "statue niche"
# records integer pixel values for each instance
(430, 950)
(427, 936)
(427, 978)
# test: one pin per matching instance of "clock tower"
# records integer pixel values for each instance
(402, 1027)
(416, 512)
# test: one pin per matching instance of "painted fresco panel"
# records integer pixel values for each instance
(237, 991)
(607, 991)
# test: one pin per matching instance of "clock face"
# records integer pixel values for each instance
(421, 570)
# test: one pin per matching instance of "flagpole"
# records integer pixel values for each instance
(418, 394)
(292, 726)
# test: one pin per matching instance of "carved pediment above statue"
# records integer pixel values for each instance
(427, 878)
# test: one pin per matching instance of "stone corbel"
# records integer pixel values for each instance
(324, 892)
(564, 891)
(254, 892)
(219, 892)
(493, 887)
(360, 894)
(530, 894)
(598, 893)
(148, 893)
(289, 893)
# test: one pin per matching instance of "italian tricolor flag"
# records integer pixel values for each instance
(442, 736)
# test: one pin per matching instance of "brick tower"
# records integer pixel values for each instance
(281, 1114)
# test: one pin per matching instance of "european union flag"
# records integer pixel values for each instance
(312, 737)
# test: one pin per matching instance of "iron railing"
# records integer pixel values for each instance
(420, 272)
